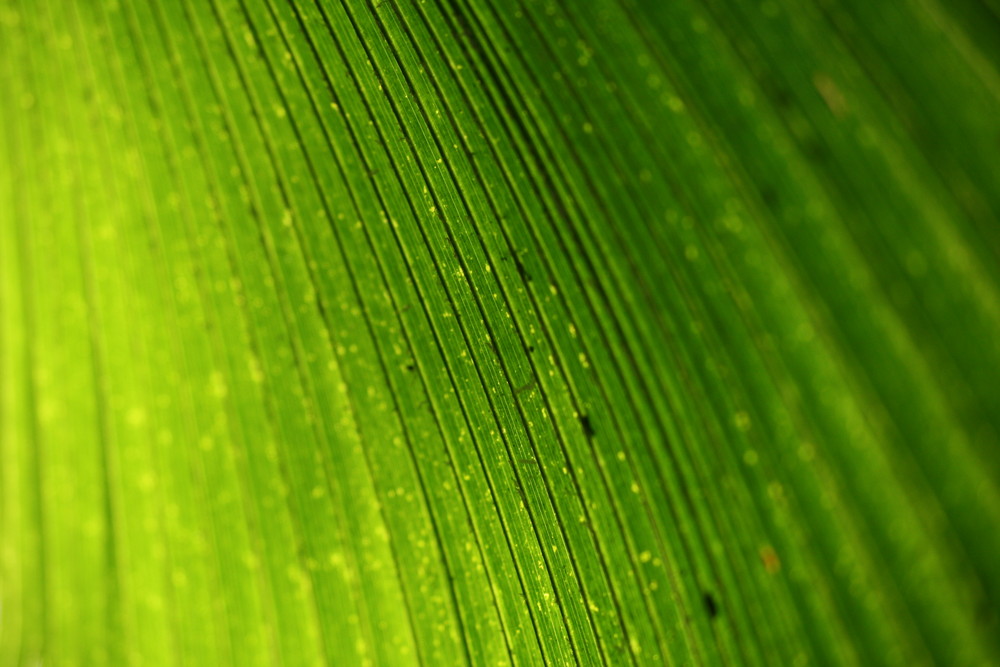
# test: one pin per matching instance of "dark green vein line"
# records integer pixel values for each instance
(452, 379)
(368, 323)
(424, 378)
(397, 173)
(438, 203)
(504, 292)
(512, 250)
(563, 291)
(396, 306)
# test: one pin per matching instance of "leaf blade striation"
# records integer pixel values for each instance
(467, 332)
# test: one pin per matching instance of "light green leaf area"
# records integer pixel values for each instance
(536, 332)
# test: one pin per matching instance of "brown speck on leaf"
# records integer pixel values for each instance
(830, 93)
(769, 557)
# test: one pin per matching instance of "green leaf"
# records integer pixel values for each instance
(623, 332)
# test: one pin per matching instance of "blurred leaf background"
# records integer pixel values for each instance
(442, 332)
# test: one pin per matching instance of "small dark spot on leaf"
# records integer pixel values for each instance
(588, 428)
(521, 271)
(710, 605)
(411, 366)
(770, 196)
(816, 151)
(531, 348)
(782, 98)
(520, 492)
(525, 387)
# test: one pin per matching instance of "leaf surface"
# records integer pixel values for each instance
(466, 332)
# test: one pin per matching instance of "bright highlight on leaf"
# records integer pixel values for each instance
(445, 332)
